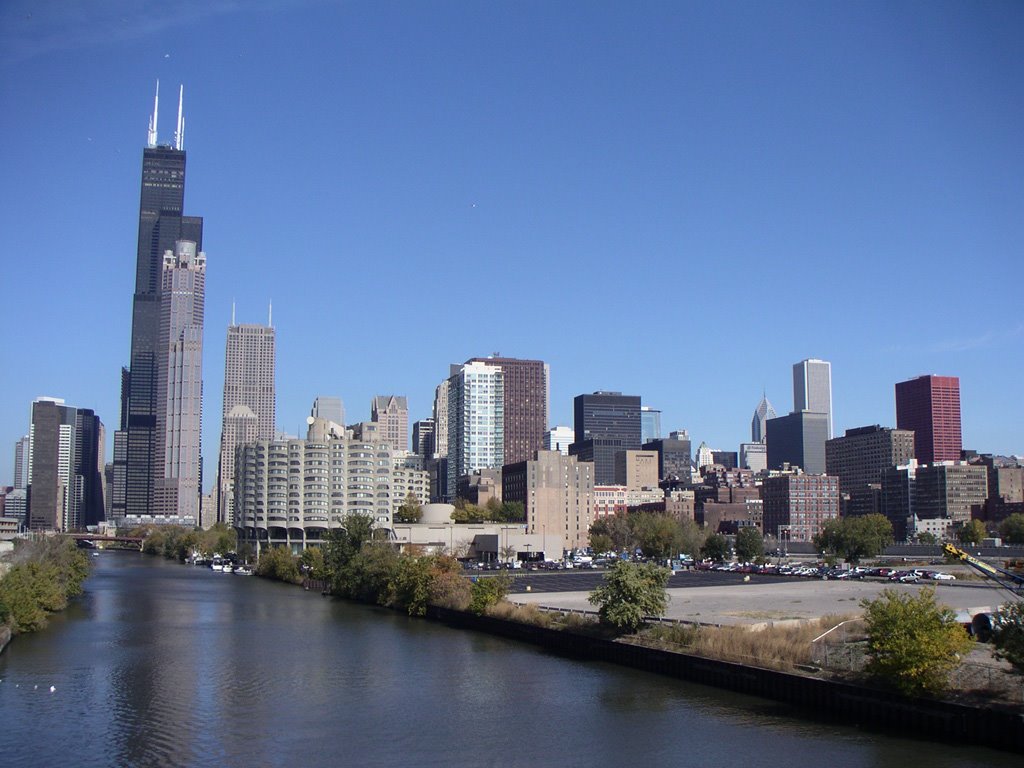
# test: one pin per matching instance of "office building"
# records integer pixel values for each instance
(930, 407)
(391, 412)
(862, 455)
(606, 423)
(65, 487)
(162, 224)
(441, 421)
(650, 424)
(330, 409)
(727, 459)
(797, 506)
(674, 462)
(476, 419)
(636, 469)
(21, 456)
(177, 487)
(798, 440)
(249, 406)
(759, 424)
(754, 456)
(812, 389)
(559, 439)
(527, 389)
(705, 455)
(557, 493)
(423, 438)
(936, 498)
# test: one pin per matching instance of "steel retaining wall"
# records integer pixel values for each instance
(843, 702)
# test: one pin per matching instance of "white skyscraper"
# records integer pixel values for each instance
(180, 383)
(249, 407)
(476, 420)
(812, 388)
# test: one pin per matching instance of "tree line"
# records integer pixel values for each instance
(44, 574)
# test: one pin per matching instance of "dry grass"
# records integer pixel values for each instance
(524, 614)
(782, 648)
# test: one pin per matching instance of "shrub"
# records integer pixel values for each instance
(630, 593)
(913, 643)
(488, 591)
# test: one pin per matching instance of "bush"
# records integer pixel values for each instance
(486, 592)
(630, 593)
(1008, 634)
(913, 643)
(279, 563)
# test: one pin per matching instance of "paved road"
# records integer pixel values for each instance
(586, 580)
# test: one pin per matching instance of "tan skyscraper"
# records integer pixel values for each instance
(392, 413)
(249, 402)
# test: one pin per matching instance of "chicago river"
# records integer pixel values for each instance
(163, 664)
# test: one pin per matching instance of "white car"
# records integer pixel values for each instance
(944, 577)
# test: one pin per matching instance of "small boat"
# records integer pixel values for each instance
(243, 570)
(216, 566)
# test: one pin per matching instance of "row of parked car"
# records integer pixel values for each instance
(826, 572)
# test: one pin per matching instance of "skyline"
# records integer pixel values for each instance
(700, 196)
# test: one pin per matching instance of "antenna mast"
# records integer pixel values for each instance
(151, 139)
(179, 135)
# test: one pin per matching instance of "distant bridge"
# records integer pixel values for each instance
(99, 537)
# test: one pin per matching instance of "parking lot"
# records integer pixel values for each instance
(713, 597)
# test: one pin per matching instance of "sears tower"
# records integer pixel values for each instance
(139, 446)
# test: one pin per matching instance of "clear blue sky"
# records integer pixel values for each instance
(677, 200)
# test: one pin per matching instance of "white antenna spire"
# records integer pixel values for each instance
(151, 140)
(270, 314)
(179, 135)
(232, 311)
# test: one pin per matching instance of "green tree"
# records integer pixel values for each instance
(430, 580)
(972, 532)
(44, 575)
(279, 563)
(368, 574)
(749, 544)
(313, 562)
(341, 544)
(410, 511)
(1008, 634)
(855, 538)
(927, 537)
(913, 643)
(1012, 529)
(715, 547)
(615, 531)
(630, 593)
(489, 591)
(512, 512)
(657, 535)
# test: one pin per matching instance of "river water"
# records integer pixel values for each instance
(161, 664)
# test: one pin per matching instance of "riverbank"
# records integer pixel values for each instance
(5, 637)
(817, 698)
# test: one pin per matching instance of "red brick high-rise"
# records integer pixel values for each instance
(930, 405)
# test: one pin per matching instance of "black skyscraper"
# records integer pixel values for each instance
(607, 423)
(161, 224)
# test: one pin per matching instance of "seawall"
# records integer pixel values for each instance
(5, 637)
(839, 701)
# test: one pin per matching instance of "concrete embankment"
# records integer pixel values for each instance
(5, 637)
(841, 702)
